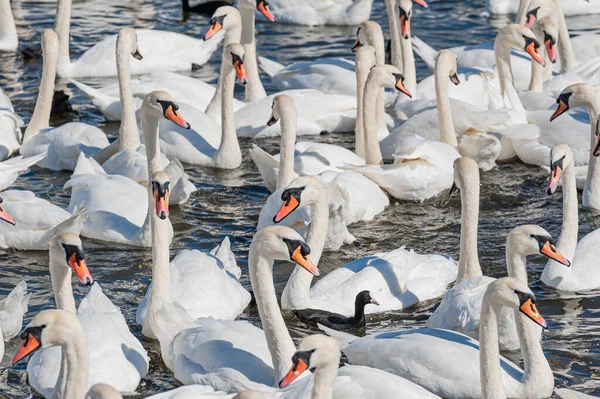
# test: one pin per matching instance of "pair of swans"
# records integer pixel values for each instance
(461, 306)
(12, 309)
(415, 354)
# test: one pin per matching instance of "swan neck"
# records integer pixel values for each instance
(62, 28)
(372, 150)
(362, 71)
(359, 312)
(279, 341)
(254, 88)
(537, 71)
(409, 69)
(515, 263)
(468, 265)
(288, 122)
(61, 284)
(502, 53)
(447, 132)
(229, 154)
(248, 20)
(8, 29)
(396, 46)
(591, 189)
(76, 354)
(565, 47)
(323, 381)
(567, 242)
(490, 371)
(537, 373)
(129, 138)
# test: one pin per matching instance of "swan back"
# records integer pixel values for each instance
(103, 391)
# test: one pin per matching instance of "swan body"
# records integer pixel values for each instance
(12, 310)
(329, 12)
(37, 221)
(10, 127)
(12, 168)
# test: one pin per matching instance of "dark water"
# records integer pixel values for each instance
(228, 203)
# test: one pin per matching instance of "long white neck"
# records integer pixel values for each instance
(77, 364)
(61, 284)
(490, 371)
(409, 69)
(372, 89)
(229, 154)
(62, 27)
(288, 122)
(591, 189)
(537, 372)
(296, 294)
(8, 29)
(468, 265)
(447, 132)
(502, 54)
(323, 381)
(565, 47)
(129, 138)
(254, 88)
(279, 341)
(362, 71)
(233, 34)
(161, 272)
(43, 105)
(522, 13)
(395, 35)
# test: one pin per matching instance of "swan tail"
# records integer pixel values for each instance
(181, 187)
(427, 53)
(270, 67)
(12, 309)
(267, 165)
(99, 99)
(170, 320)
(223, 253)
(20, 164)
(85, 166)
(343, 338)
(72, 225)
(570, 394)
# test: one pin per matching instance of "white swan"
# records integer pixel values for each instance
(438, 123)
(582, 275)
(460, 308)
(416, 354)
(575, 7)
(62, 144)
(329, 12)
(32, 221)
(9, 40)
(12, 309)
(116, 356)
(396, 278)
(99, 60)
(10, 127)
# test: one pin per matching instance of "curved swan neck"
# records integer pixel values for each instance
(396, 46)
(323, 381)
(565, 47)
(591, 189)
(77, 364)
(515, 263)
(447, 132)
(288, 122)
(61, 284)
(279, 341)
(468, 265)
(254, 88)
(502, 54)
(8, 29)
(229, 154)
(490, 371)
(43, 105)
(129, 138)
(62, 28)
(372, 89)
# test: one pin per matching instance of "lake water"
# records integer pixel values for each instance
(228, 203)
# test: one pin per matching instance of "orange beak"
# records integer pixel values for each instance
(172, 115)
(162, 205)
(400, 86)
(263, 8)
(535, 54)
(531, 18)
(240, 70)
(215, 27)
(550, 251)
(81, 270)
(286, 208)
(562, 108)
(553, 180)
(304, 262)
(551, 50)
(30, 344)
(405, 24)
(6, 217)
(422, 3)
(530, 310)
(297, 368)
(356, 45)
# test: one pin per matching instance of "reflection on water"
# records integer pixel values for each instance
(228, 202)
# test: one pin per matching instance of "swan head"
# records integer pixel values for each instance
(236, 52)
(127, 41)
(50, 46)
(549, 32)
(530, 239)
(283, 243)
(314, 351)
(224, 17)
(367, 33)
(4, 215)
(282, 107)
(514, 294)
(561, 157)
(48, 328)
(466, 175)
(66, 252)
(537, 10)
(160, 193)
(576, 95)
(405, 7)
(103, 391)
(158, 104)
(304, 190)
(390, 77)
(446, 60)
(261, 5)
(521, 38)
(364, 298)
